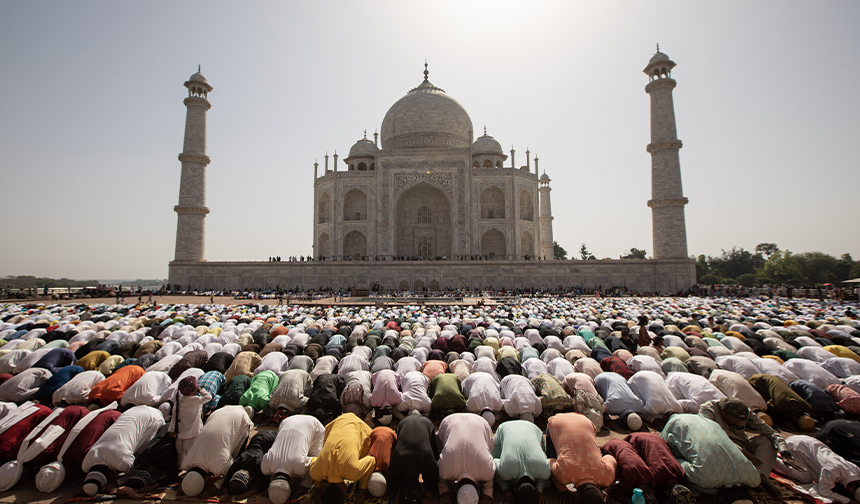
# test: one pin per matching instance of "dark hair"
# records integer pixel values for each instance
(411, 491)
(526, 492)
(332, 494)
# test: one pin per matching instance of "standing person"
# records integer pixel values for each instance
(299, 441)
(466, 460)
(345, 455)
(187, 420)
(575, 458)
(414, 454)
(644, 337)
(519, 457)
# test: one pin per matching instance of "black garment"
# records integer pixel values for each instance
(219, 361)
(614, 343)
(508, 365)
(235, 388)
(159, 457)
(88, 347)
(843, 437)
(107, 346)
(326, 394)
(414, 453)
(127, 350)
(821, 402)
(251, 459)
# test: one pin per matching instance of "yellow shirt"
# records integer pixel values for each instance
(344, 455)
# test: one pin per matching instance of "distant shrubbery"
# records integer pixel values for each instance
(770, 265)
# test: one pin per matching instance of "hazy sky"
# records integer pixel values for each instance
(92, 119)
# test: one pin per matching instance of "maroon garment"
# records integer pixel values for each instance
(441, 344)
(4, 377)
(457, 343)
(436, 355)
(665, 469)
(67, 419)
(616, 365)
(632, 471)
(78, 449)
(644, 337)
(10, 441)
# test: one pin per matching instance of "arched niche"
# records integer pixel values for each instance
(527, 244)
(493, 244)
(324, 209)
(492, 203)
(527, 206)
(355, 245)
(355, 205)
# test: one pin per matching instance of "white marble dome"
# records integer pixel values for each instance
(363, 147)
(658, 58)
(486, 144)
(198, 77)
(426, 117)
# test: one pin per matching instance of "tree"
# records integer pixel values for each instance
(558, 251)
(781, 268)
(766, 249)
(702, 268)
(635, 253)
(733, 263)
(843, 268)
(584, 253)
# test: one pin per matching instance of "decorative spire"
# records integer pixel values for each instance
(485, 131)
(658, 47)
(198, 68)
(365, 134)
(426, 72)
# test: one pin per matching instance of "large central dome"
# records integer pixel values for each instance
(426, 117)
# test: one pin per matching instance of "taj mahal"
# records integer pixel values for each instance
(426, 206)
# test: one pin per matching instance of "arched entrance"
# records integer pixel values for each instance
(355, 245)
(527, 245)
(424, 225)
(493, 244)
(324, 246)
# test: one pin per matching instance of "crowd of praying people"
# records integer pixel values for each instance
(458, 403)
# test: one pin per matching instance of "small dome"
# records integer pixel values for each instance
(487, 145)
(363, 147)
(544, 176)
(198, 77)
(658, 58)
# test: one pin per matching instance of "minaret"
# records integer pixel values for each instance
(669, 230)
(547, 249)
(191, 210)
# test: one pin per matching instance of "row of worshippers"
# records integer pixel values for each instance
(706, 452)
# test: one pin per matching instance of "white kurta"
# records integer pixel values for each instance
(413, 387)
(692, 390)
(652, 389)
(147, 390)
(300, 438)
(518, 396)
(77, 390)
(220, 441)
(826, 469)
(482, 392)
(117, 446)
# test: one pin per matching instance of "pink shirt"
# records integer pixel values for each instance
(466, 441)
(386, 390)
